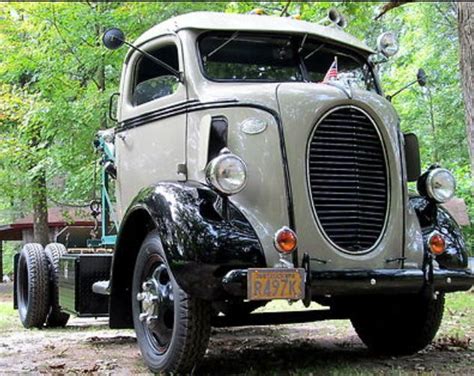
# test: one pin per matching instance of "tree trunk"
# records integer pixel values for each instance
(40, 208)
(1, 261)
(466, 39)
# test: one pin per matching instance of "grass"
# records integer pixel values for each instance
(459, 315)
(8, 317)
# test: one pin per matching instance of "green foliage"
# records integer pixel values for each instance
(9, 250)
(56, 78)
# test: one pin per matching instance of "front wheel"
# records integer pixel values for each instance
(172, 327)
(400, 325)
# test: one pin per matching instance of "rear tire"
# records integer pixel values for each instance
(56, 318)
(33, 286)
(401, 325)
(172, 327)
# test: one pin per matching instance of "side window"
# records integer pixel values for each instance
(153, 81)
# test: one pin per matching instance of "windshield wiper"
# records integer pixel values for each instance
(303, 41)
(218, 48)
(313, 52)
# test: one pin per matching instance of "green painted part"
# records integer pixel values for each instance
(94, 243)
(106, 240)
(108, 153)
(109, 240)
(110, 207)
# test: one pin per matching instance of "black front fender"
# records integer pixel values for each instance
(433, 218)
(203, 236)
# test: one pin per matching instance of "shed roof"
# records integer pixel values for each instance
(246, 22)
(57, 217)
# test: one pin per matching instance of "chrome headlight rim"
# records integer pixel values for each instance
(212, 176)
(431, 190)
(387, 44)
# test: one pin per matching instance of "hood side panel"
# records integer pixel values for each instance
(263, 201)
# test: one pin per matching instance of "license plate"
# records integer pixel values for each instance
(275, 283)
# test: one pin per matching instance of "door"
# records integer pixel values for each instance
(150, 141)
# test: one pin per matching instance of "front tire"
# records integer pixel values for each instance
(401, 325)
(172, 327)
(33, 286)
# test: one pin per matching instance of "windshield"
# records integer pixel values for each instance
(259, 57)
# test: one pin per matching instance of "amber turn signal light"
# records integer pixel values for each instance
(437, 244)
(285, 240)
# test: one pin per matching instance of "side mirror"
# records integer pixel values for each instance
(421, 77)
(412, 157)
(113, 38)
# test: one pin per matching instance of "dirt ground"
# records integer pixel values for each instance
(86, 346)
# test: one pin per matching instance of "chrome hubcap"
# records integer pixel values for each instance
(157, 306)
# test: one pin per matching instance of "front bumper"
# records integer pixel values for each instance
(358, 282)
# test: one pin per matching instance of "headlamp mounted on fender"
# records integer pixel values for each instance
(438, 184)
(227, 173)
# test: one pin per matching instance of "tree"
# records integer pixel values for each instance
(466, 40)
(465, 13)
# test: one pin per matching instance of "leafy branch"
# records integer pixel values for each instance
(68, 45)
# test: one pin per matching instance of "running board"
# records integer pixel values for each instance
(101, 288)
(278, 318)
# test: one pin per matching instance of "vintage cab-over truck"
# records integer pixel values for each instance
(255, 158)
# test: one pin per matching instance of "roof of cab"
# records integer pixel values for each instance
(245, 22)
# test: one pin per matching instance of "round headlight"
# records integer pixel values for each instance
(387, 44)
(440, 185)
(227, 173)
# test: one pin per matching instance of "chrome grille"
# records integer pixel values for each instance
(348, 179)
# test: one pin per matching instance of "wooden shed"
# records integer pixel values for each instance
(72, 227)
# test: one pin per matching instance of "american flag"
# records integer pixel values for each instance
(332, 72)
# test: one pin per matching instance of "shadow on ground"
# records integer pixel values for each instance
(239, 351)
(296, 351)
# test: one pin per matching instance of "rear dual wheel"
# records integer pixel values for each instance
(33, 286)
(56, 318)
(37, 286)
(172, 327)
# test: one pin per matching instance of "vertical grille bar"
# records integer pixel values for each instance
(348, 179)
